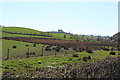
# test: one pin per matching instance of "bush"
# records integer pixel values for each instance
(34, 45)
(47, 48)
(89, 57)
(89, 51)
(26, 45)
(14, 46)
(105, 49)
(75, 55)
(85, 59)
(112, 53)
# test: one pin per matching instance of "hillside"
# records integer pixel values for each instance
(116, 37)
(31, 53)
(27, 32)
(20, 30)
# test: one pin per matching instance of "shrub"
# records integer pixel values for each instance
(34, 45)
(66, 48)
(112, 53)
(75, 55)
(89, 57)
(89, 51)
(14, 46)
(79, 59)
(26, 45)
(47, 48)
(105, 49)
(85, 59)
(70, 59)
(58, 49)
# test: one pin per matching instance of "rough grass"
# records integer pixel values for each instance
(17, 66)
(20, 35)
(107, 68)
(20, 50)
(32, 31)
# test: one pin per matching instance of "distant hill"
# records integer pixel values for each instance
(2, 26)
(27, 32)
(116, 37)
(60, 34)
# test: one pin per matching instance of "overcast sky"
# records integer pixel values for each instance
(99, 18)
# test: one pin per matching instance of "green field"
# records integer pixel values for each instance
(19, 63)
(21, 30)
(18, 60)
(26, 31)
(31, 31)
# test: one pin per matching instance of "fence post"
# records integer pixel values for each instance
(8, 54)
(42, 51)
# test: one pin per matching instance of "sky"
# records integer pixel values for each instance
(97, 18)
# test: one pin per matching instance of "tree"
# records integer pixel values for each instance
(64, 36)
(98, 38)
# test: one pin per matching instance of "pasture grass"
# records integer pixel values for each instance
(20, 50)
(32, 31)
(21, 30)
(17, 66)
(20, 35)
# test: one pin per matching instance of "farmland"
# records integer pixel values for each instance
(29, 53)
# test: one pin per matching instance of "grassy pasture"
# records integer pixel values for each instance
(17, 66)
(20, 50)
(32, 31)
(20, 30)
(20, 35)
